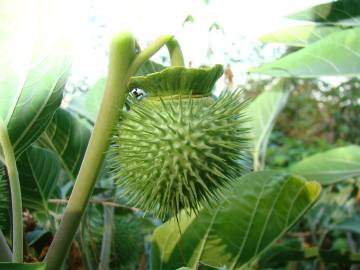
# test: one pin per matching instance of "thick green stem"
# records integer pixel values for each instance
(5, 252)
(124, 62)
(176, 55)
(16, 203)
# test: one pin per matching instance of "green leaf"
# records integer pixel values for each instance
(331, 166)
(189, 18)
(68, 137)
(259, 209)
(22, 266)
(343, 12)
(5, 208)
(285, 251)
(37, 235)
(216, 26)
(39, 170)
(264, 111)
(33, 69)
(337, 54)
(351, 224)
(300, 36)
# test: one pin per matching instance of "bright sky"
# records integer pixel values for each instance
(242, 21)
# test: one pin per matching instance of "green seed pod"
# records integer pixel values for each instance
(180, 146)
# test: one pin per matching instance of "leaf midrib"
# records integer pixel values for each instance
(202, 248)
(253, 214)
(54, 148)
(268, 217)
(44, 204)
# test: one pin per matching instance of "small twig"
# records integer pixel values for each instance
(97, 201)
(299, 234)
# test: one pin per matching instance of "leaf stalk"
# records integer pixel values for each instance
(15, 190)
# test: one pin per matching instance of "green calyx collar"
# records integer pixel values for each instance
(178, 81)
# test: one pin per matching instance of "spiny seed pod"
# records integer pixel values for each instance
(180, 146)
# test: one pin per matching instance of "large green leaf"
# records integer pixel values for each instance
(68, 137)
(336, 54)
(5, 208)
(39, 170)
(300, 36)
(258, 210)
(264, 111)
(22, 266)
(33, 69)
(344, 12)
(331, 166)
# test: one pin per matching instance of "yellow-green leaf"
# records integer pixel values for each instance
(259, 209)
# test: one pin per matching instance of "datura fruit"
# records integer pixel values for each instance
(180, 146)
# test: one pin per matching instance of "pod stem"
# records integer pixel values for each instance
(124, 62)
(176, 55)
(16, 203)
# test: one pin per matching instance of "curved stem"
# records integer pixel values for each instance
(16, 203)
(176, 55)
(124, 62)
(148, 52)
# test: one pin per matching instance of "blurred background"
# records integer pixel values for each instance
(209, 32)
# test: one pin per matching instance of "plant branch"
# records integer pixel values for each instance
(124, 62)
(96, 201)
(5, 252)
(176, 55)
(16, 203)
